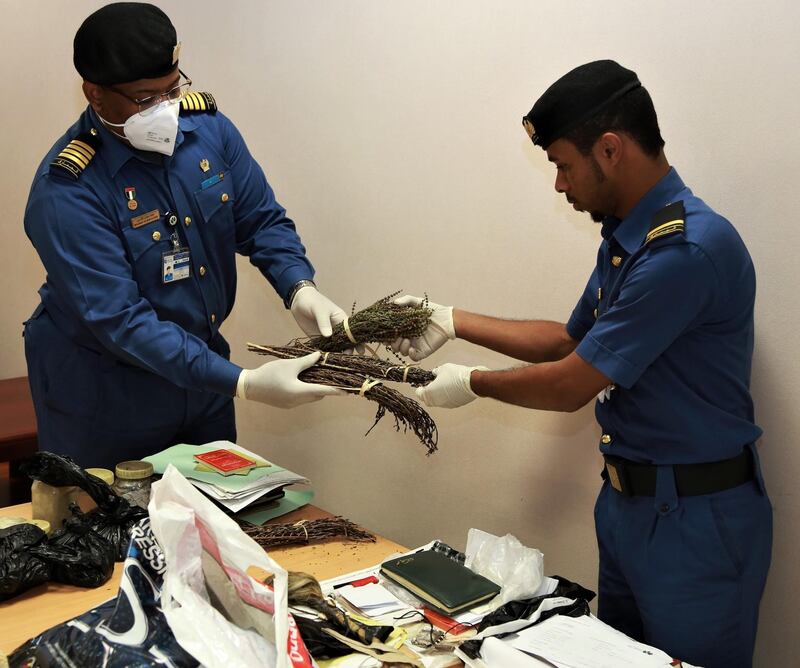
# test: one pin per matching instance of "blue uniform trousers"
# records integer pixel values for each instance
(685, 574)
(101, 411)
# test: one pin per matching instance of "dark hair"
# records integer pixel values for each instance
(633, 114)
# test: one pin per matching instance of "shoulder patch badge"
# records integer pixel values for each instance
(194, 102)
(666, 221)
(75, 156)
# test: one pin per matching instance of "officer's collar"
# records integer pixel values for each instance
(631, 230)
(116, 152)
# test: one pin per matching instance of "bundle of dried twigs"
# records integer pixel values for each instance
(373, 367)
(407, 412)
(303, 532)
(382, 322)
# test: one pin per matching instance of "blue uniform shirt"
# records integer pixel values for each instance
(673, 330)
(105, 284)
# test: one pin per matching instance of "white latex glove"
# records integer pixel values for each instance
(439, 331)
(276, 383)
(314, 312)
(451, 388)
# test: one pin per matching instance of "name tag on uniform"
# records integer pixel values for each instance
(212, 180)
(175, 265)
(145, 218)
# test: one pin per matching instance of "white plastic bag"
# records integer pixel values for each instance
(518, 570)
(186, 524)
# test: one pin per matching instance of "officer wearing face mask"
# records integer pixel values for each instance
(137, 214)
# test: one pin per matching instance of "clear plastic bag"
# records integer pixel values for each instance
(206, 584)
(518, 569)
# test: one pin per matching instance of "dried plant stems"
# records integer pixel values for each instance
(374, 367)
(303, 532)
(382, 322)
(407, 412)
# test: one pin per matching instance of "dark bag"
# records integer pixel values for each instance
(20, 568)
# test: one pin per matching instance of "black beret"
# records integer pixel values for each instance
(123, 42)
(576, 97)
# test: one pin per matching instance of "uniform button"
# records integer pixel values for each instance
(213, 317)
(664, 508)
(156, 235)
(595, 313)
(616, 260)
(605, 439)
(187, 220)
(599, 294)
(173, 219)
(93, 132)
(224, 197)
(202, 270)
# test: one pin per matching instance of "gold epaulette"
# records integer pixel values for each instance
(666, 221)
(194, 102)
(76, 156)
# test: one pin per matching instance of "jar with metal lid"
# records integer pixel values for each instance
(133, 482)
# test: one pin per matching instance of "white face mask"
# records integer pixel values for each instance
(154, 132)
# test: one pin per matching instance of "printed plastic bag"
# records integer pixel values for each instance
(207, 585)
(517, 569)
(128, 631)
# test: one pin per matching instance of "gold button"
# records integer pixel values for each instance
(605, 439)
(93, 132)
(616, 260)
(187, 220)
(202, 270)
(599, 294)
(595, 313)
(156, 235)
(224, 197)
(213, 317)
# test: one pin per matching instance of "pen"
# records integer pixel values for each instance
(370, 579)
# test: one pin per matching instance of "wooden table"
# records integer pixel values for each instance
(18, 436)
(44, 606)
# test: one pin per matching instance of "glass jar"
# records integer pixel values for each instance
(51, 503)
(133, 482)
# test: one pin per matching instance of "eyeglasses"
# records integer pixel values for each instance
(148, 104)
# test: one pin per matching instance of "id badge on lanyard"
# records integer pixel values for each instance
(176, 264)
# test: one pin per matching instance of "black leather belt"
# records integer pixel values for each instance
(635, 479)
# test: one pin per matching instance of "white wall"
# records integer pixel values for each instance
(391, 132)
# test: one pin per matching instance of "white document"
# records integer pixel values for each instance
(586, 642)
(372, 599)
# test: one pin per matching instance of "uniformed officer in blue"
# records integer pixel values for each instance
(663, 336)
(137, 214)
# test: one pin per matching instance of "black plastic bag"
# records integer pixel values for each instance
(20, 569)
(113, 517)
(61, 471)
(77, 555)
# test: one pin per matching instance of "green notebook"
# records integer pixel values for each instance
(440, 581)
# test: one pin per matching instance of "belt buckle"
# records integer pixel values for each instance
(617, 478)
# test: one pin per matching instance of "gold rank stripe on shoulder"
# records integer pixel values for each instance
(666, 221)
(194, 102)
(76, 156)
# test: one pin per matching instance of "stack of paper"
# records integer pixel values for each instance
(234, 492)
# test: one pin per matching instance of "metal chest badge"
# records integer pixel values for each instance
(204, 165)
(130, 195)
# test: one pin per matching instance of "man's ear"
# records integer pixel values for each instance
(609, 147)
(94, 94)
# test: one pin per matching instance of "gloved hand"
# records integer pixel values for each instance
(314, 312)
(451, 388)
(276, 383)
(439, 331)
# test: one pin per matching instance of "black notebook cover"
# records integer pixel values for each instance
(439, 580)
